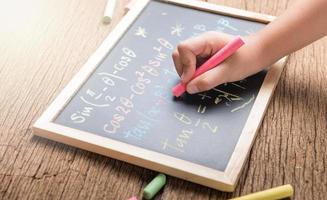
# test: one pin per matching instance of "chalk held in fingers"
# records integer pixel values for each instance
(229, 49)
(154, 186)
(280, 192)
(109, 11)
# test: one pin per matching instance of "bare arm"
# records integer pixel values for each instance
(304, 22)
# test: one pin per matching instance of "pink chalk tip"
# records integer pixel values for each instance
(132, 198)
(179, 89)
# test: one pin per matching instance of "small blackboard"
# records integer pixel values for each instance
(123, 97)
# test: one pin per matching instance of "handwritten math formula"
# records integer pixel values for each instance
(128, 97)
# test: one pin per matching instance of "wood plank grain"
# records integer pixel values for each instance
(44, 43)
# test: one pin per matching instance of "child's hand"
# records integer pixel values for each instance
(245, 62)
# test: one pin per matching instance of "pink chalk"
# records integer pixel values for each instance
(212, 62)
(130, 5)
(132, 198)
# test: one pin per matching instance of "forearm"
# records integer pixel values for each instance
(304, 22)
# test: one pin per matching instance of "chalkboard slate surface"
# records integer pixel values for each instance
(128, 97)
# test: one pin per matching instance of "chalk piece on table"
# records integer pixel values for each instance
(109, 11)
(132, 198)
(130, 5)
(270, 194)
(154, 186)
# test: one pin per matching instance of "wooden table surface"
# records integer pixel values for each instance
(44, 43)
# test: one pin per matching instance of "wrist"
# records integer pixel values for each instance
(256, 49)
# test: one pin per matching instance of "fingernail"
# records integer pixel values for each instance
(183, 76)
(192, 89)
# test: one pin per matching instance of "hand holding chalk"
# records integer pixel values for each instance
(212, 62)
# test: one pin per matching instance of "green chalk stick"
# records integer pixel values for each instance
(154, 186)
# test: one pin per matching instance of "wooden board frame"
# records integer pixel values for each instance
(221, 180)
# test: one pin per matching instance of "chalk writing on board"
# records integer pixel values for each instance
(180, 141)
(204, 96)
(128, 97)
(225, 23)
(238, 85)
(124, 60)
(198, 29)
(202, 108)
(243, 105)
(95, 98)
(146, 121)
(143, 79)
(177, 30)
(249, 32)
(187, 120)
(140, 31)
(80, 116)
(182, 138)
(91, 94)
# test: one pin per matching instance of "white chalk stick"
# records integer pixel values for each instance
(109, 11)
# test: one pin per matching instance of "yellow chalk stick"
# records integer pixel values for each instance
(270, 194)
